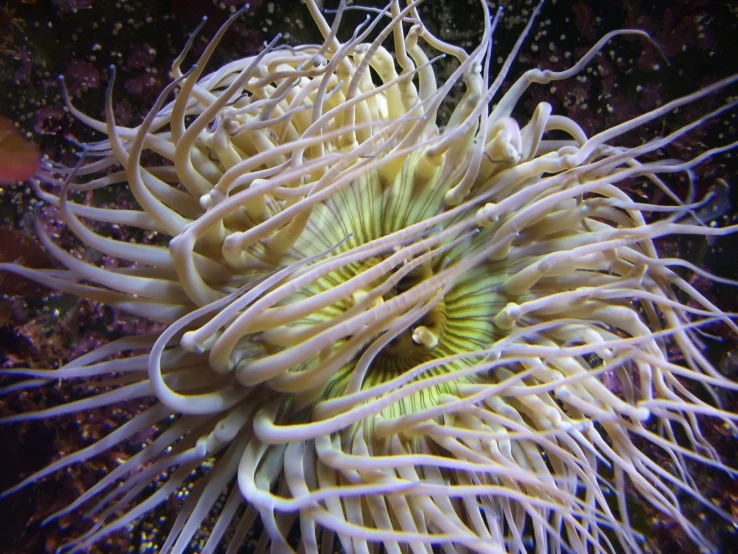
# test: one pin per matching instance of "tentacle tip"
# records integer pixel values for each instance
(642, 414)
(46, 521)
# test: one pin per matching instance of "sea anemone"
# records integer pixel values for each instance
(386, 329)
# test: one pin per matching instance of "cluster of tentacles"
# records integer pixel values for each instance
(391, 334)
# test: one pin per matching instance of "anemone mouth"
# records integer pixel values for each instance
(391, 334)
